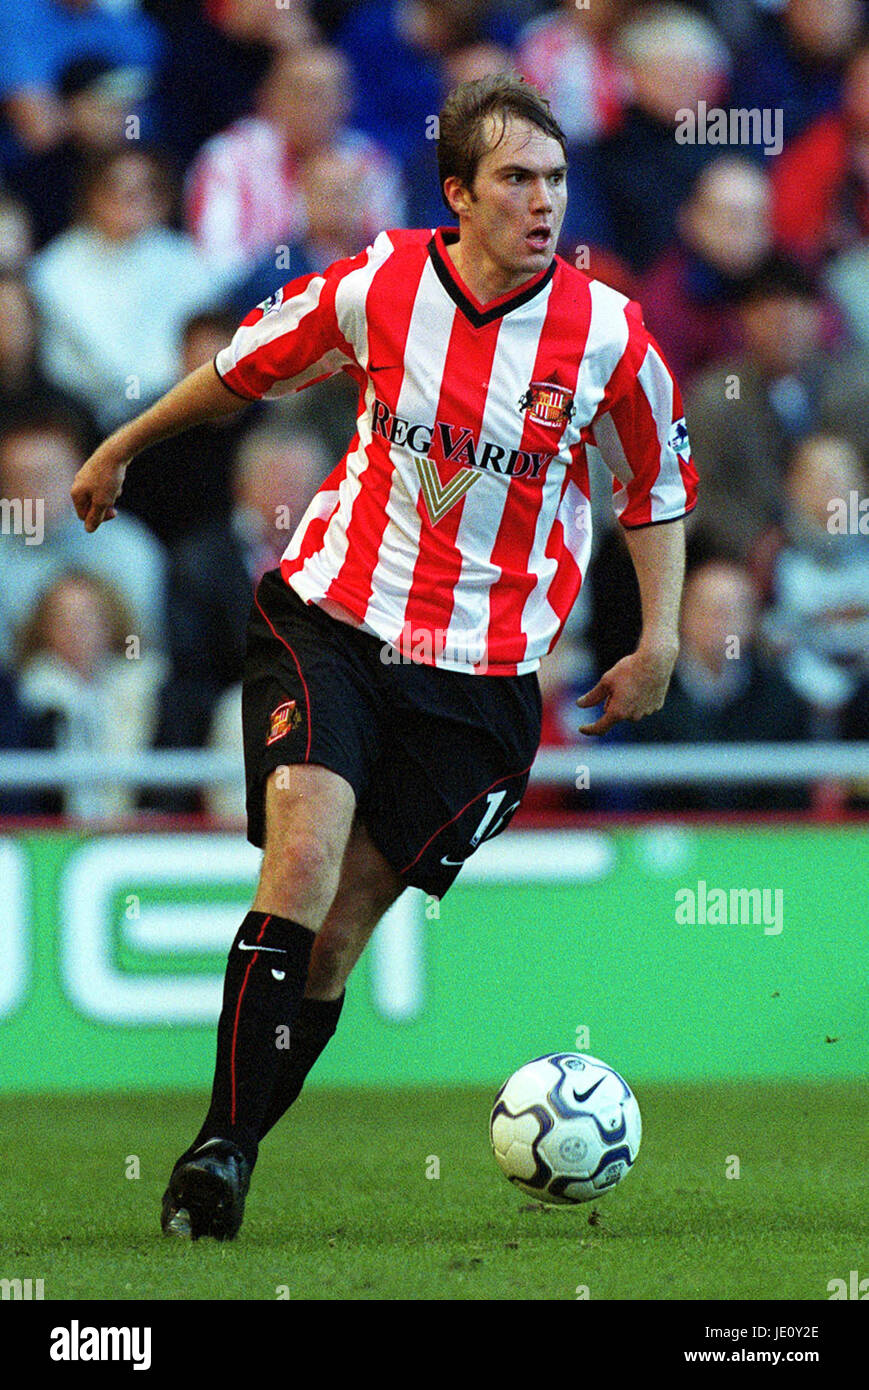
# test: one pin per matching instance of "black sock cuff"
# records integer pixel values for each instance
(268, 930)
(315, 1023)
(325, 1011)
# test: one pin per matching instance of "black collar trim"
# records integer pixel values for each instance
(478, 315)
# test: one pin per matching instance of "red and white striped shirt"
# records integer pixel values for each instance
(243, 196)
(457, 527)
(578, 74)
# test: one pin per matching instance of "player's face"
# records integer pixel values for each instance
(512, 217)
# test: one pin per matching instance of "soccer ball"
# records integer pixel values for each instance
(565, 1128)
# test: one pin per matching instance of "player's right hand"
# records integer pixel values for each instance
(97, 486)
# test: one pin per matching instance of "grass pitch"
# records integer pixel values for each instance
(341, 1206)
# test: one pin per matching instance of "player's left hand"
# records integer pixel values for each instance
(634, 687)
(97, 486)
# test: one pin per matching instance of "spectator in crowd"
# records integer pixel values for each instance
(184, 482)
(674, 59)
(724, 235)
(738, 20)
(815, 567)
(244, 196)
(723, 691)
(568, 55)
(16, 735)
(745, 414)
(426, 207)
(38, 38)
(23, 386)
(854, 723)
(334, 222)
(40, 454)
(217, 55)
(213, 572)
(288, 25)
(298, 153)
(115, 290)
(794, 62)
(473, 61)
(16, 235)
(846, 278)
(85, 685)
(98, 99)
(821, 181)
(397, 49)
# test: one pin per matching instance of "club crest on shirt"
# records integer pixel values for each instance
(283, 720)
(548, 403)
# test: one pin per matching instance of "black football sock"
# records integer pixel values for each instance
(265, 980)
(315, 1024)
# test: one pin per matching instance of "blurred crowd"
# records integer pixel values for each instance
(167, 164)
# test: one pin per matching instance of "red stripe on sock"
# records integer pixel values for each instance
(235, 1023)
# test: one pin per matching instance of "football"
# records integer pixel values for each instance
(565, 1128)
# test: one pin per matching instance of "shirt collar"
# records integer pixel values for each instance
(479, 314)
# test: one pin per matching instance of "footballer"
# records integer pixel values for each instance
(391, 706)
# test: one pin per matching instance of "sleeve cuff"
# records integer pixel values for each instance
(661, 521)
(222, 379)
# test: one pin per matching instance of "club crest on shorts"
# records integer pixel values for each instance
(548, 403)
(283, 720)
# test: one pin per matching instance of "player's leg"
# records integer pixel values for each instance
(309, 815)
(311, 732)
(308, 818)
(368, 887)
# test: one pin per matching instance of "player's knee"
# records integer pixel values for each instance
(305, 864)
(369, 885)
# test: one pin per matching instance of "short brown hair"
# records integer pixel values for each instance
(461, 141)
(97, 170)
(33, 636)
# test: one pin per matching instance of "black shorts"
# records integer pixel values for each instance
(439, 760)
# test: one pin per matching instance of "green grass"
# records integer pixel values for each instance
(341, 1208)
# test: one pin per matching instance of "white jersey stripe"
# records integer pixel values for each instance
(425, 354)
(668, 491)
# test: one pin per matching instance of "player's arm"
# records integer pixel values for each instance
(199, 396)
(636, 685)
(641, 435)
(291, 340)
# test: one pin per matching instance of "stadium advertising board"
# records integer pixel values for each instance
(691, 952)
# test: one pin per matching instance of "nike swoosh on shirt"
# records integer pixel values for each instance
(452, 861)
(276, 950)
